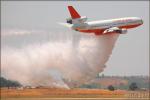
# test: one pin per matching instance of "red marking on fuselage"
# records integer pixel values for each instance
(92, 30)
(100, 31)
(130, 26)
(96, 31)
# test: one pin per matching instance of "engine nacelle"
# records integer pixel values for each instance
(77, 20)
(69, 20)
(82, 19)
(123, 31)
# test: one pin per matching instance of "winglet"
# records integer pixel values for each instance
(74, 14)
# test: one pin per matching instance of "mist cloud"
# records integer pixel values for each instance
(76, 59)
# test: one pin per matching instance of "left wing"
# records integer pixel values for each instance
(115, 30)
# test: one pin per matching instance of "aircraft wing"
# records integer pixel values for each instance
(115, 30)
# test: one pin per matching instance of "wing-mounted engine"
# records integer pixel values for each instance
(123, 31)
(115, 30)
(77, 20)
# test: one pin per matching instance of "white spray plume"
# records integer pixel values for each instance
(8, 32)
(56, 63)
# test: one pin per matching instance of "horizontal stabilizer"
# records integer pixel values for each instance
(66, 24)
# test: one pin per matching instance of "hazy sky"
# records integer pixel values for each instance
(131, 53)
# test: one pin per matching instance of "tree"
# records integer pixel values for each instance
(111, 88)
(3, 82)
(91, 86)
(133, 86)
(8, 83)
(103, 75)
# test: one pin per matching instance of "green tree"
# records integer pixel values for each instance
(8, 83)
(111, 88)
(133, 86)
(91, 86)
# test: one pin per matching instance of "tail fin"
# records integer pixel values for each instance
(74, 14)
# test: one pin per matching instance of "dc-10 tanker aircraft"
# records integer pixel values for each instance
(101, 27)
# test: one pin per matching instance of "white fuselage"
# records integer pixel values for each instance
(127, 22)
(102, 24)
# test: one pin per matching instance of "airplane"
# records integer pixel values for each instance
(101, 27)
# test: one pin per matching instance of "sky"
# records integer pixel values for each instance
(131, 53)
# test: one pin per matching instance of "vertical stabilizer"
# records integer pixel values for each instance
(74, 14)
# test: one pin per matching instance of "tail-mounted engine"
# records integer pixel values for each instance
(77, 20)
(69, 20)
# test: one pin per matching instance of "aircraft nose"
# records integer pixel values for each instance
(141, 21)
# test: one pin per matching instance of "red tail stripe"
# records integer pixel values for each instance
(73, 12)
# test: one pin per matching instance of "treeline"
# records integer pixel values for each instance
(133, 82)
(91, 86)
(8, 83)
(125, 77)
(141, 81)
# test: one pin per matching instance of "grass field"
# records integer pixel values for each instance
(72, 94)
